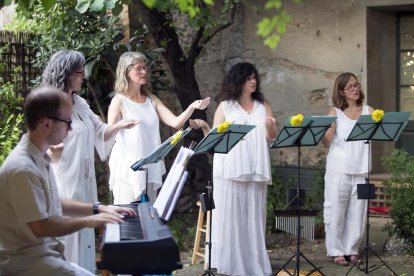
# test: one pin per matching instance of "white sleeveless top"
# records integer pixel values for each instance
(249, 159)
(347, 157)
(135, 144)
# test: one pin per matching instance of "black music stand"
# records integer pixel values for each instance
(309, 133)
(218, 142)
(388, 129)
(155, 156)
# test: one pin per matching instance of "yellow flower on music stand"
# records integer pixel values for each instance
(377, 115)
(223, 127)
(296, 120)
(177, 137)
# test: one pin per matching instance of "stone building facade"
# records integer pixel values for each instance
(324, 38)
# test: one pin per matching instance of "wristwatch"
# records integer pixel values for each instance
(95, 207)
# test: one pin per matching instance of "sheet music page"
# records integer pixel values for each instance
(176, 194)
(169, 188)
(161, 151)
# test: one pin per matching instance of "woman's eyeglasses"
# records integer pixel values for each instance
(67, 122)
(353, 86)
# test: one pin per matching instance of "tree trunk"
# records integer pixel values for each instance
(185, 85)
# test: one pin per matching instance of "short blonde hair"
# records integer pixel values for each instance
(125, 64)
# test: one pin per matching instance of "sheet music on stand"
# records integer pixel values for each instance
(160, 152)
(309, 133)
(173, 184)
(223, 142)
(390, 128)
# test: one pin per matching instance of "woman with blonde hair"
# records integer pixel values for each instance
(134, 101)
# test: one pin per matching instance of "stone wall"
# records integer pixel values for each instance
(324, 38)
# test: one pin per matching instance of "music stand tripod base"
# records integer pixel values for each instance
(388, 129)
(309, 133)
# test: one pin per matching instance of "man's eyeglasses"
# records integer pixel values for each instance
(353, 86)
(67, 122)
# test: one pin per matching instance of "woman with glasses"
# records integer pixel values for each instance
(73, 160)
(135, 101)
(346, 166)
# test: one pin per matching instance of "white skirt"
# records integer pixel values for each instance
(238, 228)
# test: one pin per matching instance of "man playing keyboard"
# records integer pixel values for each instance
(32, 215)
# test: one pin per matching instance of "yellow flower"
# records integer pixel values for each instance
(177, 137)
(296, 120)
(223, 127)
(377, 115)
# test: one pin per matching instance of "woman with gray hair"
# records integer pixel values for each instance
(73, 160)
(135, 101)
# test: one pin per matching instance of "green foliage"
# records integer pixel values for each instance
(315, 197)
(11, 119)
(183, 231)
(276, 199)
(401, 188)
(276, 194)
(115, 6)
(270, 28)
(96, 34)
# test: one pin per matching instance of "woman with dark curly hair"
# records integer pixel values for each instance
(241, 176)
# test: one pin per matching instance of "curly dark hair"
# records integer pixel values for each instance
(232, 84)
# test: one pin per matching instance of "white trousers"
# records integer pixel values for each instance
(344, 214)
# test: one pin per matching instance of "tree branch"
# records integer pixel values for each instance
(200, 40)
(230, 19)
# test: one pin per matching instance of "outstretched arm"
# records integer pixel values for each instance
(198, 123)
(115, 121)
(167, 117)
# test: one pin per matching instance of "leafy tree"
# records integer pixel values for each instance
(269, 28)
(401, 188)
(97, 34)
(11, 119)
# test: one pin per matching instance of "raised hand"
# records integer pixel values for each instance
(270, 122)
(201, 104)
(128, 123)
(55, 152)
(198, 123)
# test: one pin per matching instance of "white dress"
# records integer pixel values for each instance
(240, 186)
(75, 176)
(132, 145)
